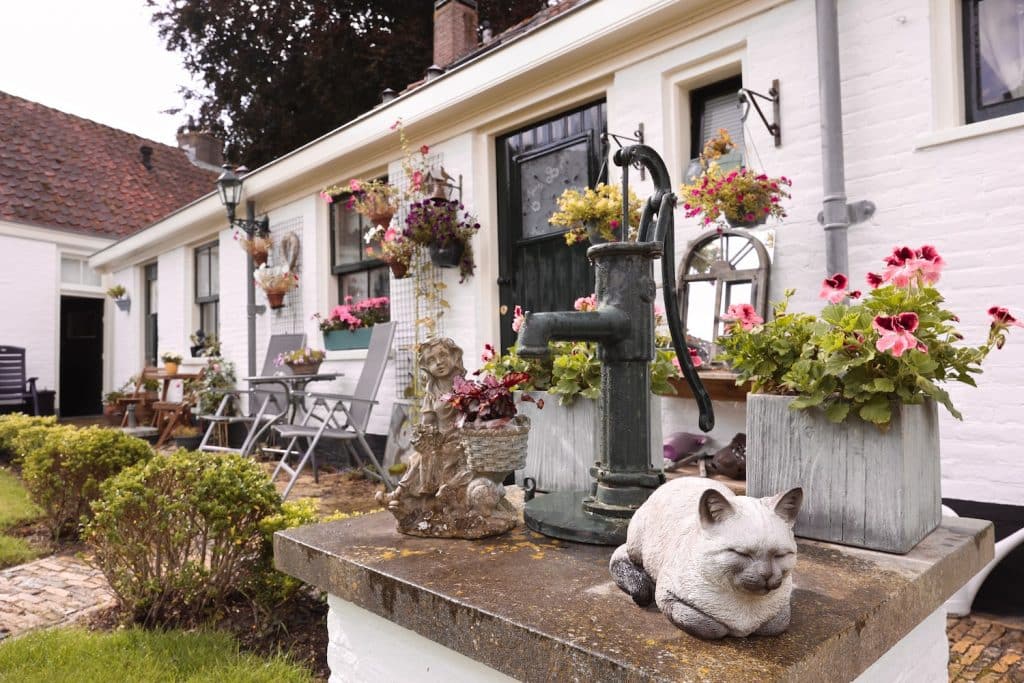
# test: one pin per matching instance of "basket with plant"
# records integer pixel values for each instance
(437, 224)
(258, 245)
(741, 197)
(595, 214)
(393, 247)
(304, 361)
(275, 282)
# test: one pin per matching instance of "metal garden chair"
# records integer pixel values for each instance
(267, 405)
(343, 417)
(15, 388)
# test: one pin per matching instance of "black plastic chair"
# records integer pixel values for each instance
(15, 388)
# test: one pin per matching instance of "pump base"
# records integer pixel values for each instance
(561, 515)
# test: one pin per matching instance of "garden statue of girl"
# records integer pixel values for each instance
(439, 496)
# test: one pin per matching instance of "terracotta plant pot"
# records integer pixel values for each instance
(399, 270)
(259, 258)
(170, 368)
(275, 299)
(113, 414)
(382, 217)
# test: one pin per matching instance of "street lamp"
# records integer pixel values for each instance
(229, 187)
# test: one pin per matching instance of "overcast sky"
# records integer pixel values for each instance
(98, 59)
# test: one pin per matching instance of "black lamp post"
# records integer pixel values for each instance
(229, 186)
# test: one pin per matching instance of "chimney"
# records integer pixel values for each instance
(454, 30)
(203, 148)
(147, 156)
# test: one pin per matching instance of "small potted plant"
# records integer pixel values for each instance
(120, 296)
(851, 394)
(394, 247)
(493, 434)
(304, 361)
(742, 198)
(171, 360)
(113, 409)
(187, 436)
(275, 282)
(258, 245)
(376, 199)
(436, 224)
(595, 214)
(348, 326)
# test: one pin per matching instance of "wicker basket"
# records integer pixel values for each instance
(496, 450)
(305, 368)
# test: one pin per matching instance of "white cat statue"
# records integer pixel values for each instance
(716, 564)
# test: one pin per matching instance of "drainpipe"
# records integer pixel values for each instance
(834, 215)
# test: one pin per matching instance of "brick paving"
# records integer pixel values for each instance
(985, 649)
(55, 590)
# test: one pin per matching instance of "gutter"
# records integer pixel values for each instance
(836, 215)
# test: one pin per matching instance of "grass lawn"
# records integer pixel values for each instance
(15, 508)
(74, 655)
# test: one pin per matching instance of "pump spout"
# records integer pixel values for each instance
(606, 325)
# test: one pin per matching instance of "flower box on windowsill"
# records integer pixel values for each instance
(341, 340)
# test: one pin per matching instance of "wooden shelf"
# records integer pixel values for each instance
(721, 386)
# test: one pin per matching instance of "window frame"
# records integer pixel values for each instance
(364, 264)
(974, 111)
(699, 98)
(203, 301)
(150, 321)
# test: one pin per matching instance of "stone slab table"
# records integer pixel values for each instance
(537, 609)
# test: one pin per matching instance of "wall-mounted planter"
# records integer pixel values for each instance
(124, 302)
(344, 340)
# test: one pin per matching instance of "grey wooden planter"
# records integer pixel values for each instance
(563, 442)
(861, 487)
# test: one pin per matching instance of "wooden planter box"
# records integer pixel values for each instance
(861, 487)
(563, 442)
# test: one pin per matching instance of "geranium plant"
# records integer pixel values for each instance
(740, 197)
(863, 354)
(435, 222)
(572, 369)
(351, 316)
(487, 402)
(396, 249)
(595, 210)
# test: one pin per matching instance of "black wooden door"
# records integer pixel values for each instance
(81, 356)
(537, 270)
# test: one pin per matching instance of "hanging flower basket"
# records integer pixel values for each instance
(742, 223)
(381, 216)
(447, 256)
(399, 270)
(275, 299)
(259, 258)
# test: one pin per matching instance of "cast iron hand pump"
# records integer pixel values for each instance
(623, 327)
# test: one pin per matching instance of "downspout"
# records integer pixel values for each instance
(834, 217)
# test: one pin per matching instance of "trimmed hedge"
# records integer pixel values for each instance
(180, 534)
(64, 470)
(10, 428)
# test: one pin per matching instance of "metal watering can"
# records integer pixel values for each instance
(623, 327)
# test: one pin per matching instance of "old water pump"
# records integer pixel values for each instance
(623, 327)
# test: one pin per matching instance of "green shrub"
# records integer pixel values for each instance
(272, 587)
(32, 437)
(64, 472)
(11, 425)
(181, 533)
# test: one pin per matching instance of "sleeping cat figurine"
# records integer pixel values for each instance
(715, 563)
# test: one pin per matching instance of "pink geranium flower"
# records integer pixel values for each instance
(425, 150)
(874, 280)
(586, 303)
(897, 333)
(901, 267)
(834, 288)
(929, 263)
(518, 318)
(488, 355)
(744, 314)
(1002, 316)
(695, 360)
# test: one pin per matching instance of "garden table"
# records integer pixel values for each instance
(294, 388)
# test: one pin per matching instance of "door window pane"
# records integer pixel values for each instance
(544, 178)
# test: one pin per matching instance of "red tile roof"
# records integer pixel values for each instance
(62, 171)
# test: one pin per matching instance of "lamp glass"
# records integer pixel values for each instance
(230, 187)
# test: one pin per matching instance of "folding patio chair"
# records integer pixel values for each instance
(267, 405)
(15, 388)
(345, 416)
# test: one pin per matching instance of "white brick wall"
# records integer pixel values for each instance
(31, 319)
(128, 332)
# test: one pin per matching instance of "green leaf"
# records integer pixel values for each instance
(878, 410)
(837, 411)
(809, 401)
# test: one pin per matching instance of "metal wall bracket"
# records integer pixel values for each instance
(638, 137)
(857, 212)
(749, 97)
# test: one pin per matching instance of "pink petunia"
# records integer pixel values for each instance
(355, 185)
(586, 303)
(834, 288)
(416, 180)
(518, 318)
(744, 314)
(896, 333)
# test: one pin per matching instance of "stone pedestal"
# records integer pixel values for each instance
(531, 608)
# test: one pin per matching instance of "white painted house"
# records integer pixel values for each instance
(70, 187)
(930, 141)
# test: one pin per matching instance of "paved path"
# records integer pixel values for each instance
(55, 590)
(984, 651)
